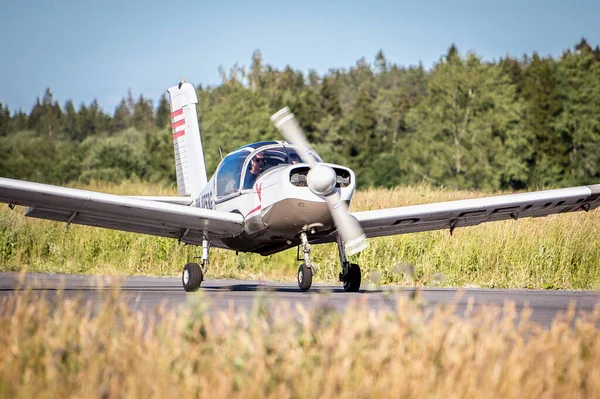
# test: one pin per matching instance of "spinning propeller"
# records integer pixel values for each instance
(321, 180)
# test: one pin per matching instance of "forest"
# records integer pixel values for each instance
(465, 123)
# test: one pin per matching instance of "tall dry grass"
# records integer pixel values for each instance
(58, 349)
(561, 251)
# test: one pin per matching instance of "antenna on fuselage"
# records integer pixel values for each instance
(221, 153)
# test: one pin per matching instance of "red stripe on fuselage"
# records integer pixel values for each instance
(178, 123)
(176, 113)
(252, 211)
(178, 134)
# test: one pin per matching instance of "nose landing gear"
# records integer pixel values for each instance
(304, 277)
(307, 269)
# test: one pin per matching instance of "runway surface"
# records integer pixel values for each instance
(146, 293)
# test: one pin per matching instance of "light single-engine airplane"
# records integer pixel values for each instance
(270, 196)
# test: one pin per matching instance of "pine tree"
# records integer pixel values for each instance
(452, 55)
(46, 116)
(414, 81)
(121, 118)
(93, 120)
(381, 64)
(329, 99)
(306, 106)
(19, 121)
(4, 120)
(542, 105)
(514, 69)
(350, 83)
(130, 102)
(363, 143)
(163, 113)
(143, 115)
(583, 46)
(72, 124)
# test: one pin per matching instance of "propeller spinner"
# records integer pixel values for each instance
(321, 180)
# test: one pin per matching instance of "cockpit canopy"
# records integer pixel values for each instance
(243, 166)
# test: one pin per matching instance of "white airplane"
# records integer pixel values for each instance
(270, 196)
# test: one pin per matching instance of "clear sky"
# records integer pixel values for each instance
(86, 49)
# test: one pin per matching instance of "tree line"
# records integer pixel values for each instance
(465, 123)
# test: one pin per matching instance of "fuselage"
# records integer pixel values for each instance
(276, 202)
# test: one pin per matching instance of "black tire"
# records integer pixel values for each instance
(352, 281)
(194, 277)
(304, 277)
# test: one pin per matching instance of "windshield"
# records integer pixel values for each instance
(230, 173)
(262, 160)
(295, 155)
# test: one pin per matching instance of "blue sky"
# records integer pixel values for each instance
(86, 49)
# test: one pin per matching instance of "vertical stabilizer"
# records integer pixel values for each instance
(189, 156)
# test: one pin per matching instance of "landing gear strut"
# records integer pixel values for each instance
(307, 269)
(350, 274)
(193, 273)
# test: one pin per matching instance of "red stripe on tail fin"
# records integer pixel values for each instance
(178, 134)
(178, 123)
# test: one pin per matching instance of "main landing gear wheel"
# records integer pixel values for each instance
(305, 274)
(192, 277)
(350, 275)
(352, 278)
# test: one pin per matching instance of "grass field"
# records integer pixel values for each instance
(557, 252)
(58, 349)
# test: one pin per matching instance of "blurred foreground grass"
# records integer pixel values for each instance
(560, 252)
(58, 349)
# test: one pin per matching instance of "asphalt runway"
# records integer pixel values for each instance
(146, 293)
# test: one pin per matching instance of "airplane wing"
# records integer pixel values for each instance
(166, 219)
(471, 212)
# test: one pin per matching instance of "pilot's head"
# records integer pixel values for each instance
(295, 158)
(257, 164)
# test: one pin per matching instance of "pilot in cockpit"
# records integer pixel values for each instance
(257, 166)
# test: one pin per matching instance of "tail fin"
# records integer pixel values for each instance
(189, 156)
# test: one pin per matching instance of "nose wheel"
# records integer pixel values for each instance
(305, 274)
(306, 270)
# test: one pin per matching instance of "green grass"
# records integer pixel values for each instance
(58, 349)
(558, 252)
